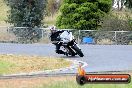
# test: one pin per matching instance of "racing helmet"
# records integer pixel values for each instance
(53, 28)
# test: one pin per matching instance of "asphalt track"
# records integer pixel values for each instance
(98, 57)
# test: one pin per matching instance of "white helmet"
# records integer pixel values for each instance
(53, 28)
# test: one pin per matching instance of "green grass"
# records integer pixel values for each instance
(73, 84)
(5, 66)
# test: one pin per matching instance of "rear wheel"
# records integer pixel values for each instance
(79, 52)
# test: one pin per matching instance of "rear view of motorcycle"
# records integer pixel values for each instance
(69, 44)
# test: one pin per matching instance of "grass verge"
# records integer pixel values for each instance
(73, 84)
(11, 64)
(54, 82)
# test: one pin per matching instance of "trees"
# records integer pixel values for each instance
(115, 23)
(27, 13)
(128, 3)
(82, 14)
(53, 6)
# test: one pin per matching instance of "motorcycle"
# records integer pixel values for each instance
(69, 44)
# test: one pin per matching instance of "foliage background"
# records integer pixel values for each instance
(26, 13)
(83, 14)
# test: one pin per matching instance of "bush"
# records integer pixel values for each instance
(82, 14)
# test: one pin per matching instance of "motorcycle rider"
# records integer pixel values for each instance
(55, 38)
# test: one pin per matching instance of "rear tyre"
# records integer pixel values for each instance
(79, 52)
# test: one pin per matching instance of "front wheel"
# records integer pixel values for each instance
(79, 52)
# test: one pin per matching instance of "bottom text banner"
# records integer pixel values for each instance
(103, 78)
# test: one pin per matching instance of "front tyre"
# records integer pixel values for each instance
(79, 52)
(80, 80)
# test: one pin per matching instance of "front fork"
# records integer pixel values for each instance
(75, 44)
(72, 44)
